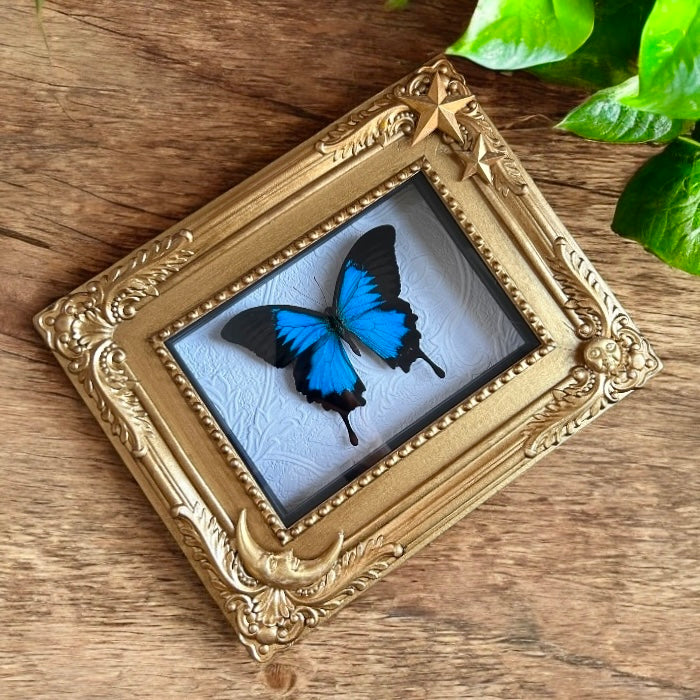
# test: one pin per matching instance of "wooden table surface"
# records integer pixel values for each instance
(580, 580)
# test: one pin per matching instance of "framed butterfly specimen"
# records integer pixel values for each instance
(316, 374)
(366, 308)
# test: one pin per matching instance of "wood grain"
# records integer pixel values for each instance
(580, 580)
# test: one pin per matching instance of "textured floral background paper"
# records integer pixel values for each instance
(298, 448)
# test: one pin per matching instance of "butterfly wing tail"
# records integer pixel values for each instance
(436, 368)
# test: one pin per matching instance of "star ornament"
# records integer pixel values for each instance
(437, 110)
(480, 161)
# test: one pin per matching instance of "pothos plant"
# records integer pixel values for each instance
(643, 60)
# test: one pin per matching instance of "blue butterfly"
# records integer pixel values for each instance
(366, 309)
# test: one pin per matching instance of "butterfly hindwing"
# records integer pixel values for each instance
(368, 305)
(323, 373)
(281, 335)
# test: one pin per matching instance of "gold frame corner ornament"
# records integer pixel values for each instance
(614, 357)
(80, 329)
(272, 598)
(435, 98)
(275, 582)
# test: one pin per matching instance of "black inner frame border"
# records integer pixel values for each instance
(530, 342)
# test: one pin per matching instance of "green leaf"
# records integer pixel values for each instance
(511, 34)
(609, 55)
(38, 4)
(602, 117)
(660, 206)
(669, 61)
(395, 4)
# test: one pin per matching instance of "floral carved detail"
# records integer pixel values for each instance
(380, 123)
(80, 328)
(391, 116)
(273, 598)
(615, 359)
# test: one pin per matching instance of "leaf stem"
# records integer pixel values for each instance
(695, 134)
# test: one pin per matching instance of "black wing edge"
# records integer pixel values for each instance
(256, 329)
(343, 403)
(410, 348)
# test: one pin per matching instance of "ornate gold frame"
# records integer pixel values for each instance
(109, 335)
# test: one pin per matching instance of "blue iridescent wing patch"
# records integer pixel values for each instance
(366, 308)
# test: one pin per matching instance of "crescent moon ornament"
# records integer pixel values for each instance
(283, 569)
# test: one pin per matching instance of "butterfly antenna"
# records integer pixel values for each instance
(311, 299)
(323, 294)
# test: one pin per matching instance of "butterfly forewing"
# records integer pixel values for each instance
(277, 334)
(367, 300)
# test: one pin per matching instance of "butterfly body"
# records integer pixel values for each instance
(366, 310)
(337, 327)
